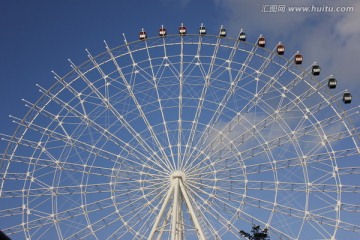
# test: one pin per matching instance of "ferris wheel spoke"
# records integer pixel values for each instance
(119, 233)
(198, 109)
(48, 219)
(258, 150)
(207, 79)
(155, 78)
(204, 91)
(135, 219)
(13, 230)
(154, 190)
(137, 136)
(306, 130)
(69, 141)
(92, 150)
(310, 159)
(237, 78)
(245, 184)
(72, 167)
(90, 207)
(55, 190)
(88, 211)
(205, 221)
(196, 67)
(92, 228)
(260, 166)
(100, 224)
(141, 208)
(252, 131)
(286, 211)
(226, 201)
(226, 224)
(270, 85)
(260, 72)
(273, 230)
(349, 170)
(87, 121)
(139, 107)
(180, 105)
(150, 191)
(106, 133)
(141, 224)
(11, 212)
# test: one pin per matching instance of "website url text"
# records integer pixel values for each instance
(310, 9)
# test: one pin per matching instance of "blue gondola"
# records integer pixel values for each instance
(315, 70)
(332, 83)
(202, 29)
(222, 32)
(347, 98)
(242, 36)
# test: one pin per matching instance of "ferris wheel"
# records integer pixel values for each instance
(185, 136)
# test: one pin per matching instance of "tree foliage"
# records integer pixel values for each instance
(3, 236)
(256, 233)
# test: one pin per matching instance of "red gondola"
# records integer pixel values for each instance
(142, 35)
(298, 58)
(261, 41)
(182, 30)
(280, 49)
(162, 31)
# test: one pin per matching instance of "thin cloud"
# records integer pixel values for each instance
(331, 39)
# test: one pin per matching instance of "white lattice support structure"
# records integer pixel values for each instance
(180, 198)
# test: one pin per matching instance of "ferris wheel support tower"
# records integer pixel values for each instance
(179, 195)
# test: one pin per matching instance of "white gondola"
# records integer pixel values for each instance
(162, 31)
(202, 30)
(280, 49)
(347, 98)
(242, 36)
(222, 32)
(142, 35)
(315, 70)
(261, 41)
(332, 83)
(182, 30)
(298, 58)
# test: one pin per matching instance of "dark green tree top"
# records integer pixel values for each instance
(256, 233)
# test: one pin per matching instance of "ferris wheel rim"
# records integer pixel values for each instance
(41, 102)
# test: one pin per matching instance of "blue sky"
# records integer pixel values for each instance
(39, 36)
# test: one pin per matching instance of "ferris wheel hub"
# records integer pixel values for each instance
(178, 174)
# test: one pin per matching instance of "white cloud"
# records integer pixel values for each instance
(331, 39)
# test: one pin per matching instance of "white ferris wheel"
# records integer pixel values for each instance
(184, 136)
